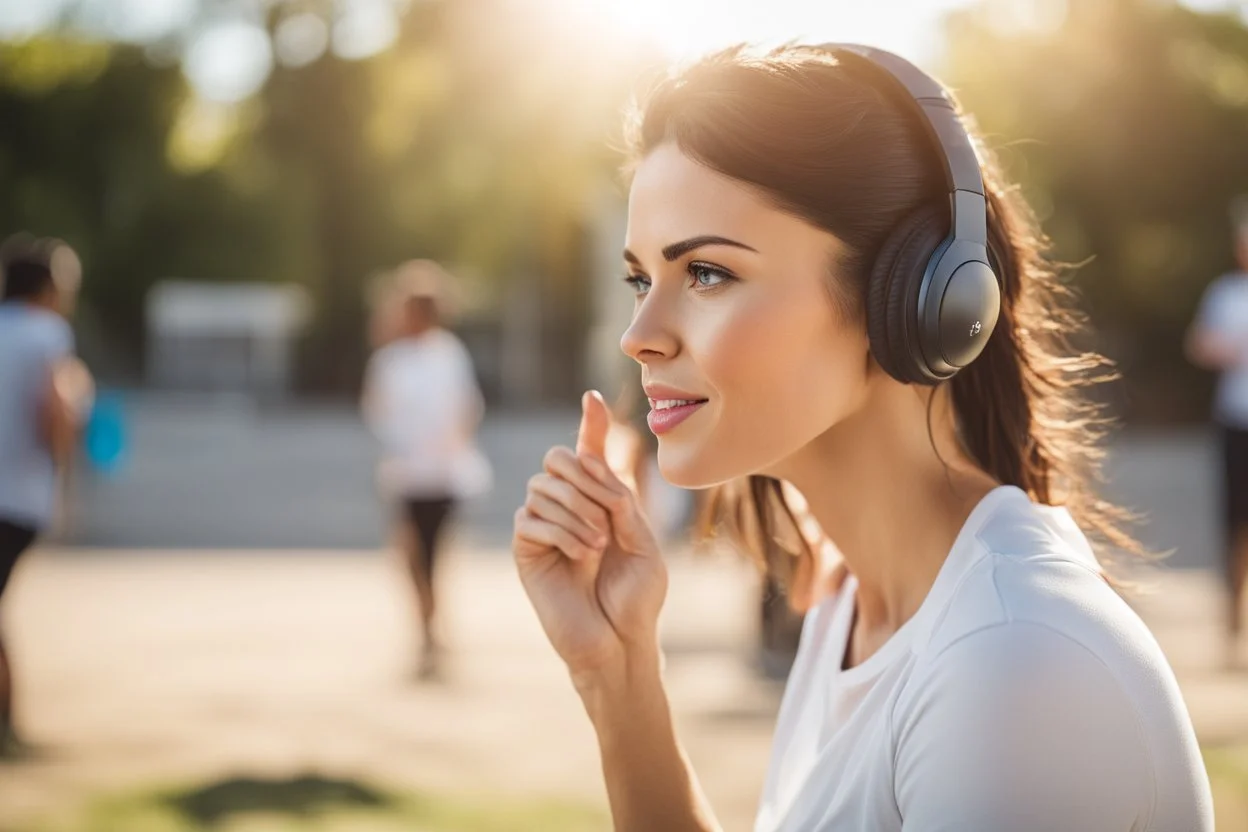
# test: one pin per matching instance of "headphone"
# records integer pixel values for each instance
(933, 299)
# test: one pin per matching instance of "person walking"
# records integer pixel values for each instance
(422, 403)
(1218, 341)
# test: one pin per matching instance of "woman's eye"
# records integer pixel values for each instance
(704, 276)
(708, 277)
(640, 284)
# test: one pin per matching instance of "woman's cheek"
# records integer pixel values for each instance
(783, 373)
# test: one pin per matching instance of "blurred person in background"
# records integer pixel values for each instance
(45, 395)
(964, 663)
(422, 403)
(1218, 340)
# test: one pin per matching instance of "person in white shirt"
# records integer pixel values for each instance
(422, 403)
(1218, 340)
(965, 665)
(44, 395)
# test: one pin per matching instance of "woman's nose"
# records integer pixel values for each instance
(650, 336)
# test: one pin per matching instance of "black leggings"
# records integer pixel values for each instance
(427, 517)
(14, 540)
(1234, 489)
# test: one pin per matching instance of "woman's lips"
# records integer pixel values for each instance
(661, 420)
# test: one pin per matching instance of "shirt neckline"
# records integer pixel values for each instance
(961, 553)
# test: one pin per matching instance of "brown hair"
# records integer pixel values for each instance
(26, 266)
(827, 141)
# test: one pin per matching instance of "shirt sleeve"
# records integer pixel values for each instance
(1021, 728)
(57, 340)
(1210, 314)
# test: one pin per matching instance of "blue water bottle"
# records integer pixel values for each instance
(105, 439)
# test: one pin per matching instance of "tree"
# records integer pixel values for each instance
(84, 130)
(1126, 122)
(475, 139)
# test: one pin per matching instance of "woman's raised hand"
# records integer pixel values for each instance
(587, 556)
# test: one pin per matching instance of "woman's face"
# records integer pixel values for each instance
(733, 313)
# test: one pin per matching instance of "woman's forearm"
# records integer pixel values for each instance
(650, 783)
(1214, 351)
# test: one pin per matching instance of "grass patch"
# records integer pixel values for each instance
(320, 804)
(311, 803)
(1228, 774)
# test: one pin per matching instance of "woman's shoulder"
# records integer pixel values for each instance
(1036, 581)
(1059, 717)
(1052, 603)
(437, 344)
(1044, 671)
(1034, 621)
(447, 346)
(1034, 565)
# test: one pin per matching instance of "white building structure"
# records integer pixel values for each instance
(235, 337)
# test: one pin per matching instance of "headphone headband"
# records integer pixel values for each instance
(932, 306)
(940, 117)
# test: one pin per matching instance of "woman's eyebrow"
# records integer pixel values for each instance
(676, 250)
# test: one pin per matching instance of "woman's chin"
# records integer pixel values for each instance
(685, 468)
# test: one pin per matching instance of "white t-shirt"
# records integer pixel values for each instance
(1224, 312)
(422, 402)
(1023, 696)
(32, 341)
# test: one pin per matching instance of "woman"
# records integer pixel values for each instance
(973, 671)
(422, 402)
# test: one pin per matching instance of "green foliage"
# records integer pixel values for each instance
(83, 136)
(1228, 776)
(1127, 126)
(474, 140)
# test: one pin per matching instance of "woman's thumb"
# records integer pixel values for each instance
(591, 439)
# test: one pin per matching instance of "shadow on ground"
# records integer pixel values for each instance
(312, 801)
(300, 797)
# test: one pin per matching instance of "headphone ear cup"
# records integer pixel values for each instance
(893, 292)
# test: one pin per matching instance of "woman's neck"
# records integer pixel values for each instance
(415, 333)
(890, 502)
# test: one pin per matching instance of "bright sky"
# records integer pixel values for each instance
(229, 60)
(689, 27)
